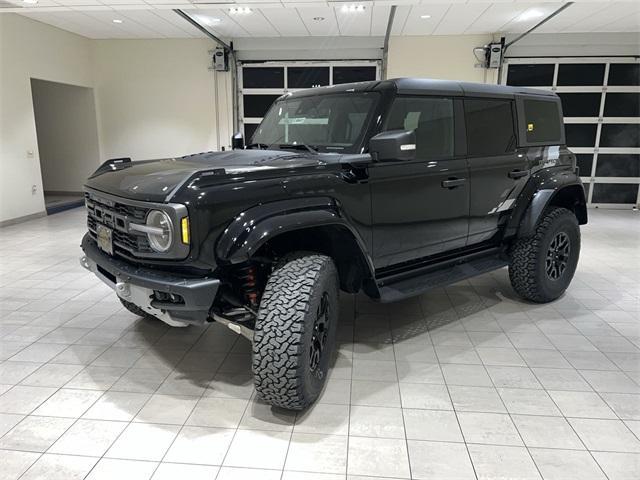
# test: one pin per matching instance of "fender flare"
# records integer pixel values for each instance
(252, 228)
(537, 196)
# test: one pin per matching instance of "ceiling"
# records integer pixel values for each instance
(268, 18)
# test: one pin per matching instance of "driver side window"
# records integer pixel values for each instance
(432, 120)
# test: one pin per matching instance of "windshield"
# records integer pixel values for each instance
(329, 123)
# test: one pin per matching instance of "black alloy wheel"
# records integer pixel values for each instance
(558, 256)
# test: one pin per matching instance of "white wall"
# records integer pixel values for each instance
(156, 98)
(448, 57)
(29, 49)
(67, 131)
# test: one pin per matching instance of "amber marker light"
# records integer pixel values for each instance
(184, 224)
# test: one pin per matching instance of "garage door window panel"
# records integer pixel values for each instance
(581, 104)
(257, 105)
(624, 74)
(262, 77)
(353, 74)
(580, 134)
(585, 163)
(616, 193)
(581, 74)
(622, 105)
(618, 165)
(531, 75)
(307, 77)
(620, 135)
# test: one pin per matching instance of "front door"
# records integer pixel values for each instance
(497, 170)
(420, 207)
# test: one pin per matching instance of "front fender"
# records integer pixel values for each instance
(252, 228)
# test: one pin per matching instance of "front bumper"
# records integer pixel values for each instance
(140, 286)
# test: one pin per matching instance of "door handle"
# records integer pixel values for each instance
(453, 182)
(518, 173)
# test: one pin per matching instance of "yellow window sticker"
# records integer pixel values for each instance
(529, 127)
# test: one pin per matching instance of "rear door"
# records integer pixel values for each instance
(497, 169)
(420, 207)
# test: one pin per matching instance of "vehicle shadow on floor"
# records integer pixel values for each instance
(378, 345)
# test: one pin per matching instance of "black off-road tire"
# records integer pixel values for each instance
(133, 308)
(286, 374)
(529, 267)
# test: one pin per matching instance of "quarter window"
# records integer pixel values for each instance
(490, 127)
(542, 122)
(432, 120)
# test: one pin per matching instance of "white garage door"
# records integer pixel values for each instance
(260, 84)
(601, 104)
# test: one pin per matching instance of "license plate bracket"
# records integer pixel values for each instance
(105, 239)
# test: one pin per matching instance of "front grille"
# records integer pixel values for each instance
(117, 216)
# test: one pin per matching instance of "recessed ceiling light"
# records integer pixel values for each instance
(240, 11)
(30, 1)
(207, 20)
(530, 15)
(116, 20)
(425, 16)
(319, 19)
(352, 8)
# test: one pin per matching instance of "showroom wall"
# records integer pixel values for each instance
(50, 54)
(156, 98)
(65, 117)
(443, 56)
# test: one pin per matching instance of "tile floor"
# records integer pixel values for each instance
(464, 382)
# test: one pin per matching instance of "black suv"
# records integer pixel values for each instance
(390, 188)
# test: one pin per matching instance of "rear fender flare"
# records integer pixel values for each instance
(543, 190)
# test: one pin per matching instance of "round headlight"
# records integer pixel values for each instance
(161, 240)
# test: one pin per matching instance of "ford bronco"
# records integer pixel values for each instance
(390, 188)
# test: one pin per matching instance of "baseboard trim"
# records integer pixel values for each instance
(63, 192)
(26, 218)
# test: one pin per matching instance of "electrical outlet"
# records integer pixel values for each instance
(34, 189)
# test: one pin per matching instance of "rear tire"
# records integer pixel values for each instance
(543, 264)
(294, 337)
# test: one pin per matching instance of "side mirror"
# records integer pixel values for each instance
(394, 145)
(237, 141)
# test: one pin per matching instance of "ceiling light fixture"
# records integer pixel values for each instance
(530, 15)
(352, 8)
(424, 17)
(240, 11)
(116, 20)
(207, 20)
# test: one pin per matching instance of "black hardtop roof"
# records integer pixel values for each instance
(426, 86)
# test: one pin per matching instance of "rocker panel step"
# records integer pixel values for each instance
(439, 277)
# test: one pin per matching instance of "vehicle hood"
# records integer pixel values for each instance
(159, 180)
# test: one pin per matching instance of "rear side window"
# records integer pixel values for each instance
(542, 121)
(490, 126)
(432, 120)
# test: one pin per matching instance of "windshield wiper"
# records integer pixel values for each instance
(298, 146)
